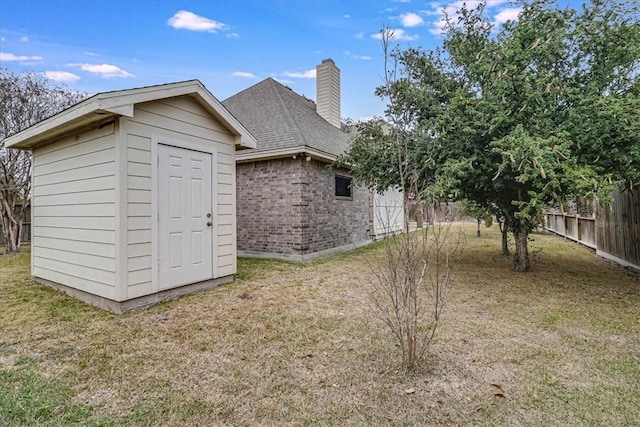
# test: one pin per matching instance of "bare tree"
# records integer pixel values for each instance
(25, 100)
(412, 281)
(414, 274)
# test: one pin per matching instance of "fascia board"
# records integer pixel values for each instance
(30, 136)
(251, 155)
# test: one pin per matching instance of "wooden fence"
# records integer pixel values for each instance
(613, 230)
(25, 235)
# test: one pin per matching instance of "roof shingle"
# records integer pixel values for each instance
(280, 118)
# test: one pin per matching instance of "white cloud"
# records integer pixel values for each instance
(284, 81)
(233, 36)
(61, 76)
(438, 27)
(424, 12)
(309, 74)
(346, 16)
(398, 35)
(10, 57)
(508, 14)
(24, 39)
(359, 35)
(411, 19)
(91, 54)
(451, 8)
(185, 20)
(106, 71)
(356, 56)
(244, 74)
(2, 39)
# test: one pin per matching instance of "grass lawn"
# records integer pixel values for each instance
(301, 344)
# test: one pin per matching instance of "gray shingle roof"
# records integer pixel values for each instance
(280, 118)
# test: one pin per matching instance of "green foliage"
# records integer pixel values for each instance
(474, 209)
(540, 110)
(373, 156)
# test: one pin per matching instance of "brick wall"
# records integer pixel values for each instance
(287, 206)
(335, 221)
(267, 218)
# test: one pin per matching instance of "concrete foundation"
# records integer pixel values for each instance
(120, 307)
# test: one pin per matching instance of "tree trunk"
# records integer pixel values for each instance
(478, 227)
(505, 236)
(522, 250)
(505, 240)
(407, 207)
(11, 235)
(11, 223)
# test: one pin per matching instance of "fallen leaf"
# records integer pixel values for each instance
(499, 395)
(410, 390)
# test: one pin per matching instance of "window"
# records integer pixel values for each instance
(343, 186)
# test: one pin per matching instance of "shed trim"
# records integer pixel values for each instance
(121, 247)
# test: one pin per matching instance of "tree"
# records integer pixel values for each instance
(528, 102)
(477, 212)
(413, 274)
(541, 110)
(386, 152)
(25, 100)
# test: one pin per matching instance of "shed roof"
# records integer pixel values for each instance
(282, 121)
(102, 107)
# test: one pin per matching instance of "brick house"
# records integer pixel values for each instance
(289, 205)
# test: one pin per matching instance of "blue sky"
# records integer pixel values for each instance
(100, 45)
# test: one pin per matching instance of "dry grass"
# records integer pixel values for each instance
(300, 344)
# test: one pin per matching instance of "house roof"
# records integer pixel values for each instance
(100, 108)
(284, 122)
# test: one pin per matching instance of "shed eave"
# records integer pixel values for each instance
(55, 125)
(103, 106)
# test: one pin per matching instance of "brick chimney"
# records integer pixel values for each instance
(328, 92)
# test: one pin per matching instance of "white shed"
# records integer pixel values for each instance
(133, 195)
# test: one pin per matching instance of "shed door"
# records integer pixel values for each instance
(185, 217)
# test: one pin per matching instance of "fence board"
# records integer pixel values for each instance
(614, 231)
(618, 228)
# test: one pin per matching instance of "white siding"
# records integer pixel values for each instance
(177, 119)
(226, 211)
(388, 212)
(74, 198)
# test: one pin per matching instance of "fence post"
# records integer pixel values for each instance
(579, 228)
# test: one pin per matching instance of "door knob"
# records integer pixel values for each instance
(209, 223)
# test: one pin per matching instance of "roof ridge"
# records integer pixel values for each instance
(292, 123)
